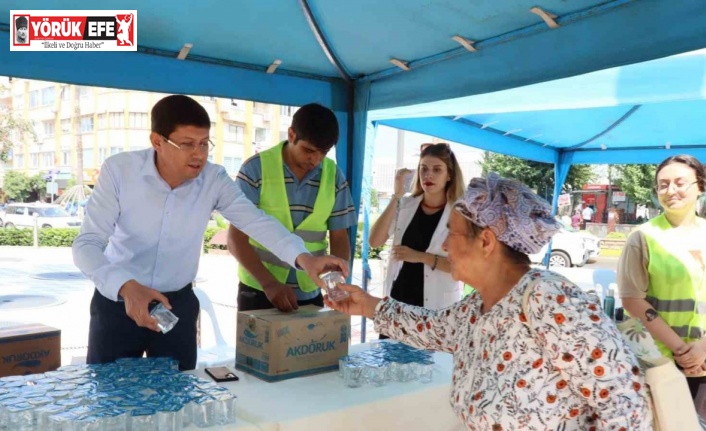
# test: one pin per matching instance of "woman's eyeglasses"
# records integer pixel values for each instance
(663, 188)
(427, 145)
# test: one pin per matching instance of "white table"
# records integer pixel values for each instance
(323, 402)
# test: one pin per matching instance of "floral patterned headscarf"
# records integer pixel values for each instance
(518, 217)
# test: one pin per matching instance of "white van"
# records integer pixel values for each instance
(49, 215)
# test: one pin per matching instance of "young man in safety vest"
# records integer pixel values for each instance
(298, 185)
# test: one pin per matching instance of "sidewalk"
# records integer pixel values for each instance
(43, 286)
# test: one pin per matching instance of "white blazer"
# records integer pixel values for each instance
(440, 290)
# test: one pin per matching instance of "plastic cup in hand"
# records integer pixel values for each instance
(332, 280)
(166, 320)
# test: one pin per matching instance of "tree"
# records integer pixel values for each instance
(536, 175)
(16, 186)
(37, 186)
(374, 202)
(637, 181)
(19, 187)
(12, 127)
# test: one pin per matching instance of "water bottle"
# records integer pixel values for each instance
(609, 304)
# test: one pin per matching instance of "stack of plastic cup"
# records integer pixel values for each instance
(132, 393)
(386, 361)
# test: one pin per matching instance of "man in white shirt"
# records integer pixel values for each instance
(587, 215)
(141, 239)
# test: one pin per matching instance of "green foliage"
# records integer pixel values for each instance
(373, 252)
(207, 236)
(16, 186)
(47, 237)
(616, 235)
(637, 181)
(536, 175)
(16, 237)
(12, 127)
(57, 237)
(38, 185)
(374, 201)
(64, 237)
(19, 187)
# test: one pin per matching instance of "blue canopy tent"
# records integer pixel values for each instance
(339, 53)
(640, 113)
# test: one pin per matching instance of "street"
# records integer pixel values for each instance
(603, 263)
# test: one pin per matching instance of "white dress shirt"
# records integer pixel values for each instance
(138, 227)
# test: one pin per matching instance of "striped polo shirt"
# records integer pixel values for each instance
(302, 197)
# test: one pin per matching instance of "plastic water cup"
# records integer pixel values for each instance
(62, 422)
(342, 361)
(353, 375)
(89, 423)
(41, 415)
(202, 412)
(425, 372)
(171, 420)
(142, 419)
(20, 417)
(166, 320)
(224, 410)
(331, 281)
(114, 420)
(377, 374)
(400, 372)
(188, 413)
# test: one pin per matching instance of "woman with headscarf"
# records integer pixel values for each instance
(662, 270)
(531, 350)
(418, 272)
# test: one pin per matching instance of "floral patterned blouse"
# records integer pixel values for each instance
(571, 372)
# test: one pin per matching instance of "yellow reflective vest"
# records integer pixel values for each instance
(274, 201)
(677, 288)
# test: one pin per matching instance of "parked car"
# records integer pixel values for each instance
(568, 249)
(49, 215)
(592, 242)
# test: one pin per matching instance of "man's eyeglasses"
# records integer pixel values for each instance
(662, 189)
(427, 145)
(204, 146)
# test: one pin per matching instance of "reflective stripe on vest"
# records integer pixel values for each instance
(268, 257)
(312, 230)
(676, 290)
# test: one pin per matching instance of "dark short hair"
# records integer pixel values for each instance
(178, 110)
(317, 125)
(689, 161)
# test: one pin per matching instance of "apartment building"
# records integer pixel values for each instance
(106, 121)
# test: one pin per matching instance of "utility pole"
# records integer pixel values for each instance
(400, 150)
(77, 132)
(609, 204)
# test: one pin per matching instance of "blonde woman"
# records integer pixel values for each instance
(418, 272)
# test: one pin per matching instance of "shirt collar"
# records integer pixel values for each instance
(149, 168)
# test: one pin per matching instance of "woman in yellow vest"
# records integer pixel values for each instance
(418, 272)
(662, 271)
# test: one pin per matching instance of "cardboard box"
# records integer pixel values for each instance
(275, 346)
(29, 349)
